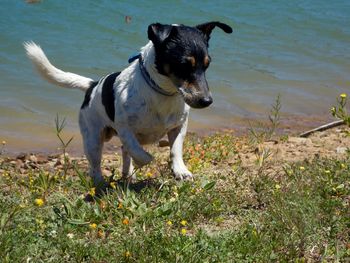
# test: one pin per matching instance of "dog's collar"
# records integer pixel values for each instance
(148, 78)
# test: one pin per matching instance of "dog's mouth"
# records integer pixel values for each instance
(195, 99)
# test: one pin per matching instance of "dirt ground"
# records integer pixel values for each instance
(331, 143)
(286, 149)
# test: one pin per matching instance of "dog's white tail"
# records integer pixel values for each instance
(53, 74)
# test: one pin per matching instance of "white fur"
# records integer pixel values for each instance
(53, 74)
(142, 116)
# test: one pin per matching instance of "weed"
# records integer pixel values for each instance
(263, 133)
(59, 125)
(201, 152)
(340, 110)
(2, 147)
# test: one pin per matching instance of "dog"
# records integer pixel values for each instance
(147, 100)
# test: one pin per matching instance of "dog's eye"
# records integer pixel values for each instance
(190, 61)
(206, 62)
(187, 66)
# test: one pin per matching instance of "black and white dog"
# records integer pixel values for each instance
(150, 98)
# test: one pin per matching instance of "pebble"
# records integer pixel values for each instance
(33, 158)
(299, 140)
(41, 159)
(22, 156)
(341, 150)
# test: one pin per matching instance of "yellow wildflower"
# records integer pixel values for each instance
(327, 171)
(125, 221)
(343, 95)
(93, 226)
(183, 222)
(39, 201)
(277, 186)
(120, 205)
(113, 185)
(149, 174)
(92, 191)
(302, 168)
(169, 223)
(127, 254)
(343, 165)
(183, 231)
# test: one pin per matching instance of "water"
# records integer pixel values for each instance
(299, 49)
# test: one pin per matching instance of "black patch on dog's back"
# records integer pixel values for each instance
(88, 94)
(108, 94)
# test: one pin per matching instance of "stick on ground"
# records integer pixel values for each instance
(322, 128)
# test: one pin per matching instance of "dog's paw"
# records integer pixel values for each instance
(182, 173)
(146, 159)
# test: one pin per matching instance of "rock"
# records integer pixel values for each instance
(33, 158)
(22, 156)
(341, 150)
(58, 162)
(41, 159)
(19, 163)
(63, 158)
(299, 140)
(52, 157)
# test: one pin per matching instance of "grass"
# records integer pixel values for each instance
(227, 214)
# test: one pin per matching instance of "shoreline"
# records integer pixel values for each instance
(289, 125)
(284, 149)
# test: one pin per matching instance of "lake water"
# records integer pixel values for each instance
(298, 49)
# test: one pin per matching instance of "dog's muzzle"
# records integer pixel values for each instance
(205, 102)
(196, 99)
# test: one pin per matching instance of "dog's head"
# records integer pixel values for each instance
(182, 55)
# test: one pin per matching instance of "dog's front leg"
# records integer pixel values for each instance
(133, 148)
(128, 168)
(176, 137)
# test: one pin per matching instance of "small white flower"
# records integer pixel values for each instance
(70, 235)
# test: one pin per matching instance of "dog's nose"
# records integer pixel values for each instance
(205, 102)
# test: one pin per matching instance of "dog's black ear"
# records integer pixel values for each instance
(157, 32)
(206, 28)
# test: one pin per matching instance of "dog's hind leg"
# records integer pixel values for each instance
(93, 138)
(176, 137)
